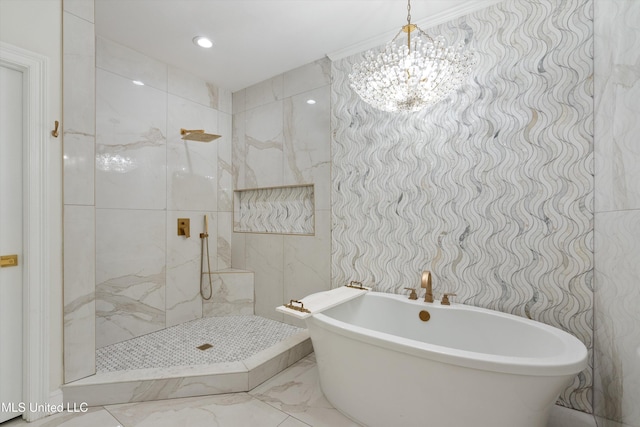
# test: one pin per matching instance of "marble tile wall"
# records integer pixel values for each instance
(278, 140)
(491, 190)
(78, 131)
(147, 277)
(130, 273)
(617, 217)
(233, 293)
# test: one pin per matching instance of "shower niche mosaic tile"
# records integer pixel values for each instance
(275, 210)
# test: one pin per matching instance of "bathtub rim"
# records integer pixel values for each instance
(573, 358)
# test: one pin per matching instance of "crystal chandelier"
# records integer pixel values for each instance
(413, 75)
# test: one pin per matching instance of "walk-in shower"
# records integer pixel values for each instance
(212, 355)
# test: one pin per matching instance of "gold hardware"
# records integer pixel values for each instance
(445, 298)
(409, 28)
(356, 285)
(206, 228)
(204, 247)
(425, 282)
(54, 132)
(424, 315)
(197, 135)
(184, 228)
(8, 260)
(204, 346)
(413, 294)
(293, 307)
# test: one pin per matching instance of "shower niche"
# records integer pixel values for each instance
(275, 210)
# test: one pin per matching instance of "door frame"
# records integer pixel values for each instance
(36, 234)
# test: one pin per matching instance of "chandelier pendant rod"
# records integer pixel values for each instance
(409, 25)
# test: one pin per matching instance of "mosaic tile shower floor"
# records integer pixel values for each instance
(232, 338)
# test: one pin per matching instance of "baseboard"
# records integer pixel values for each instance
(56, 398)
(38, 410)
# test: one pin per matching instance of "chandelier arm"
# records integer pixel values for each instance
(396, 36)
(424, 34)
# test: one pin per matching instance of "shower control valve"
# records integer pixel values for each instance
(184, 228)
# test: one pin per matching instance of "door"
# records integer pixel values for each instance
(11, 241)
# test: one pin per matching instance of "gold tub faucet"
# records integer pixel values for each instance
(425, 282)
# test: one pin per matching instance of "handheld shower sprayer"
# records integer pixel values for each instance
(204, 237)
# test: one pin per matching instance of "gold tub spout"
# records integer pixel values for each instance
(425, 282)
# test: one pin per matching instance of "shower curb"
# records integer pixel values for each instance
(187, 381)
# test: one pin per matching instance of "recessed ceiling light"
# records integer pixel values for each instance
(137, 82)
(203, 42)
(311, 101)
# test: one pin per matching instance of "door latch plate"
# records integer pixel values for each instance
(8, 260)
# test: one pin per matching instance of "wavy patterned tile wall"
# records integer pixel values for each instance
(282, 210)
(491, 190)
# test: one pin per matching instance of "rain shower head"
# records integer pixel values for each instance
(197, 135)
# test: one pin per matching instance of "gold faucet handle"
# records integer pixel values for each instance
(413, 294)
(445, 299)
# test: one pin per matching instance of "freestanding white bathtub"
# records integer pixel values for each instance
(381, 365)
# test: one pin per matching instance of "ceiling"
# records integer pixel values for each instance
(258, 39)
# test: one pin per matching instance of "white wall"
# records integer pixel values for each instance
(35, 25)
(79, 110)
(617, 213)
(280, 140)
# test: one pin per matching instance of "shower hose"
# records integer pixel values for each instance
(204, 237)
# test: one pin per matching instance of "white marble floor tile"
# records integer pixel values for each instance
(292, 398)
(293, 422)
(227, 410)
(296, 391)
(94, 417)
